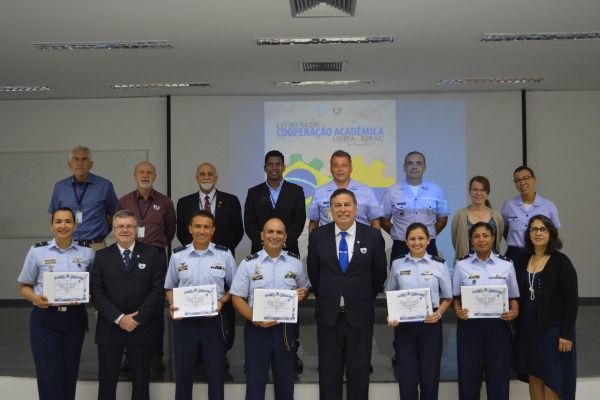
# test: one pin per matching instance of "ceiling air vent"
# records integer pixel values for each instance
(322, 8)
(329, 66)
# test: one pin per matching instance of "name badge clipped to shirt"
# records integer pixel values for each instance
(79, 217)
(141, 231)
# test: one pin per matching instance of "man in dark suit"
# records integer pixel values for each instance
(346, 265)
(226, 208)
(275, 198)
(229, 228)
(126, 284)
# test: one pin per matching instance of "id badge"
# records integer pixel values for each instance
(79, 217)
(141, 231)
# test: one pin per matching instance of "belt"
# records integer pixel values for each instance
(342, 309)
(59, 308)
(87, 242)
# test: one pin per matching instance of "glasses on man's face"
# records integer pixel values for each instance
(523, 179)
(542, 230)
(124, 227)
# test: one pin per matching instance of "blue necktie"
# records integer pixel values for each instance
(343, 255)
(126, 258)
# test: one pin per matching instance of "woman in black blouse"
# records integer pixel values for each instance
(545, 351)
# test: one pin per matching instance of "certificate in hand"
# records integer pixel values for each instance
(275, 305)
(67, 287)
(485, 301)
(409, 305)
(195, 301)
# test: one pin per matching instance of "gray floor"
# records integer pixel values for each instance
(16, 359)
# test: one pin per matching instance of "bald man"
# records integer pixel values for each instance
(155, 214)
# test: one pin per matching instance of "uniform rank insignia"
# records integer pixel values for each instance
(400, 256)
(500, 256)
(438, 259)
(463, 257)
(221, 247)
(84, 243)
(182, 267)
(40, 244)
(293, 255)
(251, 257)
(178, 249)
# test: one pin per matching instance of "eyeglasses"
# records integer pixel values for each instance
(123, 227)
(542, 230)
(523, 179)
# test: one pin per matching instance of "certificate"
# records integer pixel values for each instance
(195, 301)
(275, 305)
(67, 287)
(485, 301)
(409, 305)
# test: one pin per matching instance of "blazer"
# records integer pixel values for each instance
(558, 298)
(363, 280)
(290, 209)
(460, 231)
(229, 228)
(117, 291)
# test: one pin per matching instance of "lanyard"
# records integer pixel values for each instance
(79, 200)
(143, 216)
(271, 193)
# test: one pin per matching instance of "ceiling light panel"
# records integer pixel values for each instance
(159, 85)
(322, 8)
(25, 88)
(324, 83)
(325, 40)
(524, 37)
(327, 66)
(117, 45)
(488, 81)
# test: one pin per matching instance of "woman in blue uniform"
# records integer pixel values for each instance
(420, 344)
(486, 342)
(56, 332)
(545, 351)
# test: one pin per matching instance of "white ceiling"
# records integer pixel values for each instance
(214, 42)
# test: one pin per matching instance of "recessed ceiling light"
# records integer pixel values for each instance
(323, 8)
(324, 40)
(323, 83)
(488, 80)
(523, 37)
(116, 45)
(158, 85)
(25, 88)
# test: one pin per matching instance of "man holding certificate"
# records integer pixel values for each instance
(485, 291)
(266, 290)
(347, 268)
(419, 291)
(195, 289)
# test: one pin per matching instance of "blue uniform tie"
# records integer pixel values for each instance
(343, 255)
(126, 258)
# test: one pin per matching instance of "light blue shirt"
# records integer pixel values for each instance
(404, 207)
(191, 267)
(496, 270)
(260, 271)
(274, 193)
(516, 217)
(99, 201)
(48, 257)
(368, 206)
(428, 272)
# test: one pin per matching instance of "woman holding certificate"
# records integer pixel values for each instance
(420, 343)
(479, 210)
(545, 351)
(56, 332)
(484, 335)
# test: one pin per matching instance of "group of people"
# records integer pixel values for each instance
(346, 266)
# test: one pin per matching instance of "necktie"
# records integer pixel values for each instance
(207, 204)
(343, 255)
(126, 258)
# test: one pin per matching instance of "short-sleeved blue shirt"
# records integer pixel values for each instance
(496, 270)
(516, 217)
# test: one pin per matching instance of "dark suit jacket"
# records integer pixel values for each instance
(290, 208)
(363, 280)
(229, 228)
(116, 291)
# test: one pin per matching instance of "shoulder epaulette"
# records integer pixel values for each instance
(221, 247)
(500, 256)
(40, 244)
(438, 259)
(251, 257)
(293, 255)
(178, 249)
(397, 257)
(463, 257)
(84, 243)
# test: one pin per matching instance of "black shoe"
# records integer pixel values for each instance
(394, 361)
(370, 368)
(299, 365)
(158, 364)
(227, 363)
(125, 365)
